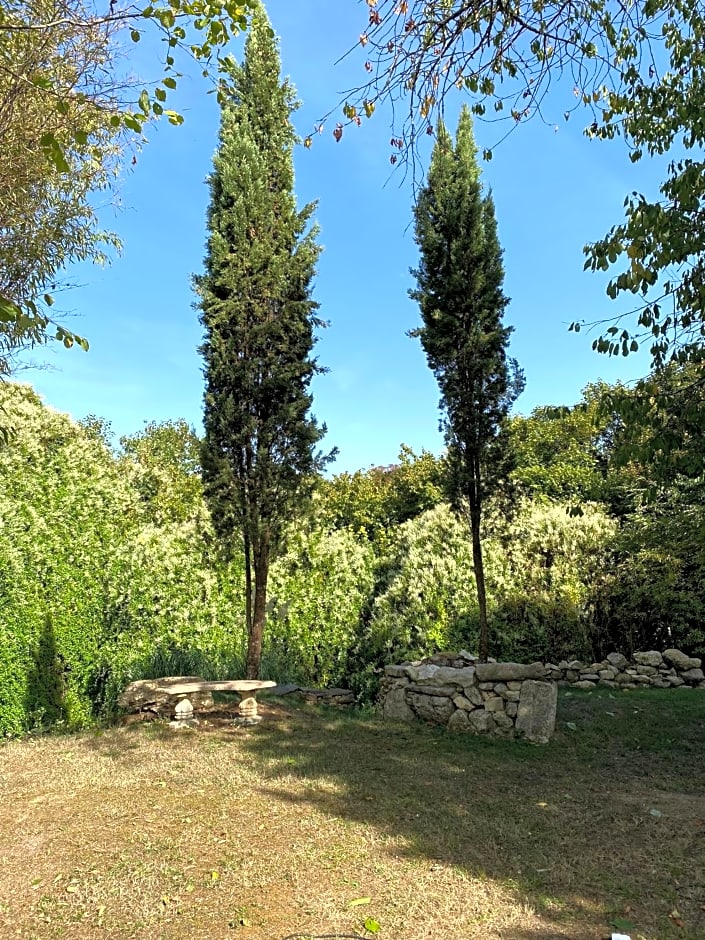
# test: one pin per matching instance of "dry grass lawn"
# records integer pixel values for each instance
(313, 824)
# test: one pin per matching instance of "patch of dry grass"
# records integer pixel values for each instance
(273, 832)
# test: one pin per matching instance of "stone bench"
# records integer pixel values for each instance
(180, 694)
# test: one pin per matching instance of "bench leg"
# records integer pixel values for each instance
(247, 711)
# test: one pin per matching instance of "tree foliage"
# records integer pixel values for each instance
(259, 452)
(68, 111)
(639, 71)
(371, 501)
(565, 452)
(459, 292)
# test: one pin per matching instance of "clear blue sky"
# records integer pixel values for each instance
(553, 189)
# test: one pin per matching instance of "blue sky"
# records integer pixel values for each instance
(554, 190)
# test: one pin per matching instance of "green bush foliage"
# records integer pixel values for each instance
(317, 591)
(65, 512)
(110, 572)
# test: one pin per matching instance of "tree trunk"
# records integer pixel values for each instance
(254, 639)
(475, 501)
(248, 582)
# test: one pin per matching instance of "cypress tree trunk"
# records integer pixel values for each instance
(259, 612)
(475, 504)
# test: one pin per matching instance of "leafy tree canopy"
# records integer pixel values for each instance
(638, 69)
(68, 112)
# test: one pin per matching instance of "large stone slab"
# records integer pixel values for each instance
(395, 707)
(506, 672)
(648, 658)
(680, 660)
(162, 695)
(536, 715)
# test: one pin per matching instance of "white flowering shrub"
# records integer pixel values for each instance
(542, 570)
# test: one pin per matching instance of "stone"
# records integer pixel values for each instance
(681, 661)
(503, 721)
(504, 672)
(157, 695)
(511, 709)
(462, 677)
(396, 672)
(609, 683)
(183, 710)
(439, 690)
(395, 707)
(432, 708)
(617, 660)
(514, 686)
(589, 677)
(495, 705)
(607, 673)
(183, 715)
(675, 681)
(510, 695)
(693, 675)
(459, 721)
(469, 700)
(422, 672)
(468, 657)
(584, 684)
(647, 670)
(576, 664)
(648, 658)
(624, 679)
(481, 721)
(536, 715)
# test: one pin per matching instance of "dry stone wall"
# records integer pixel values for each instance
(668, 670)
(516, 700)
(502, 699)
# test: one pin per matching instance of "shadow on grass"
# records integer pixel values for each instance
(605, 823)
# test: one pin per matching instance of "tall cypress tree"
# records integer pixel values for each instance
(459, 292)
(259, 451)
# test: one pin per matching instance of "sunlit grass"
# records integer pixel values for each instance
(314, 823)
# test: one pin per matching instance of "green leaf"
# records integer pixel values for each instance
(135, 35)
(169, 82)
(54, 152)
(358, 901)
(571, 726)
(143, 101)
(371, 925)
